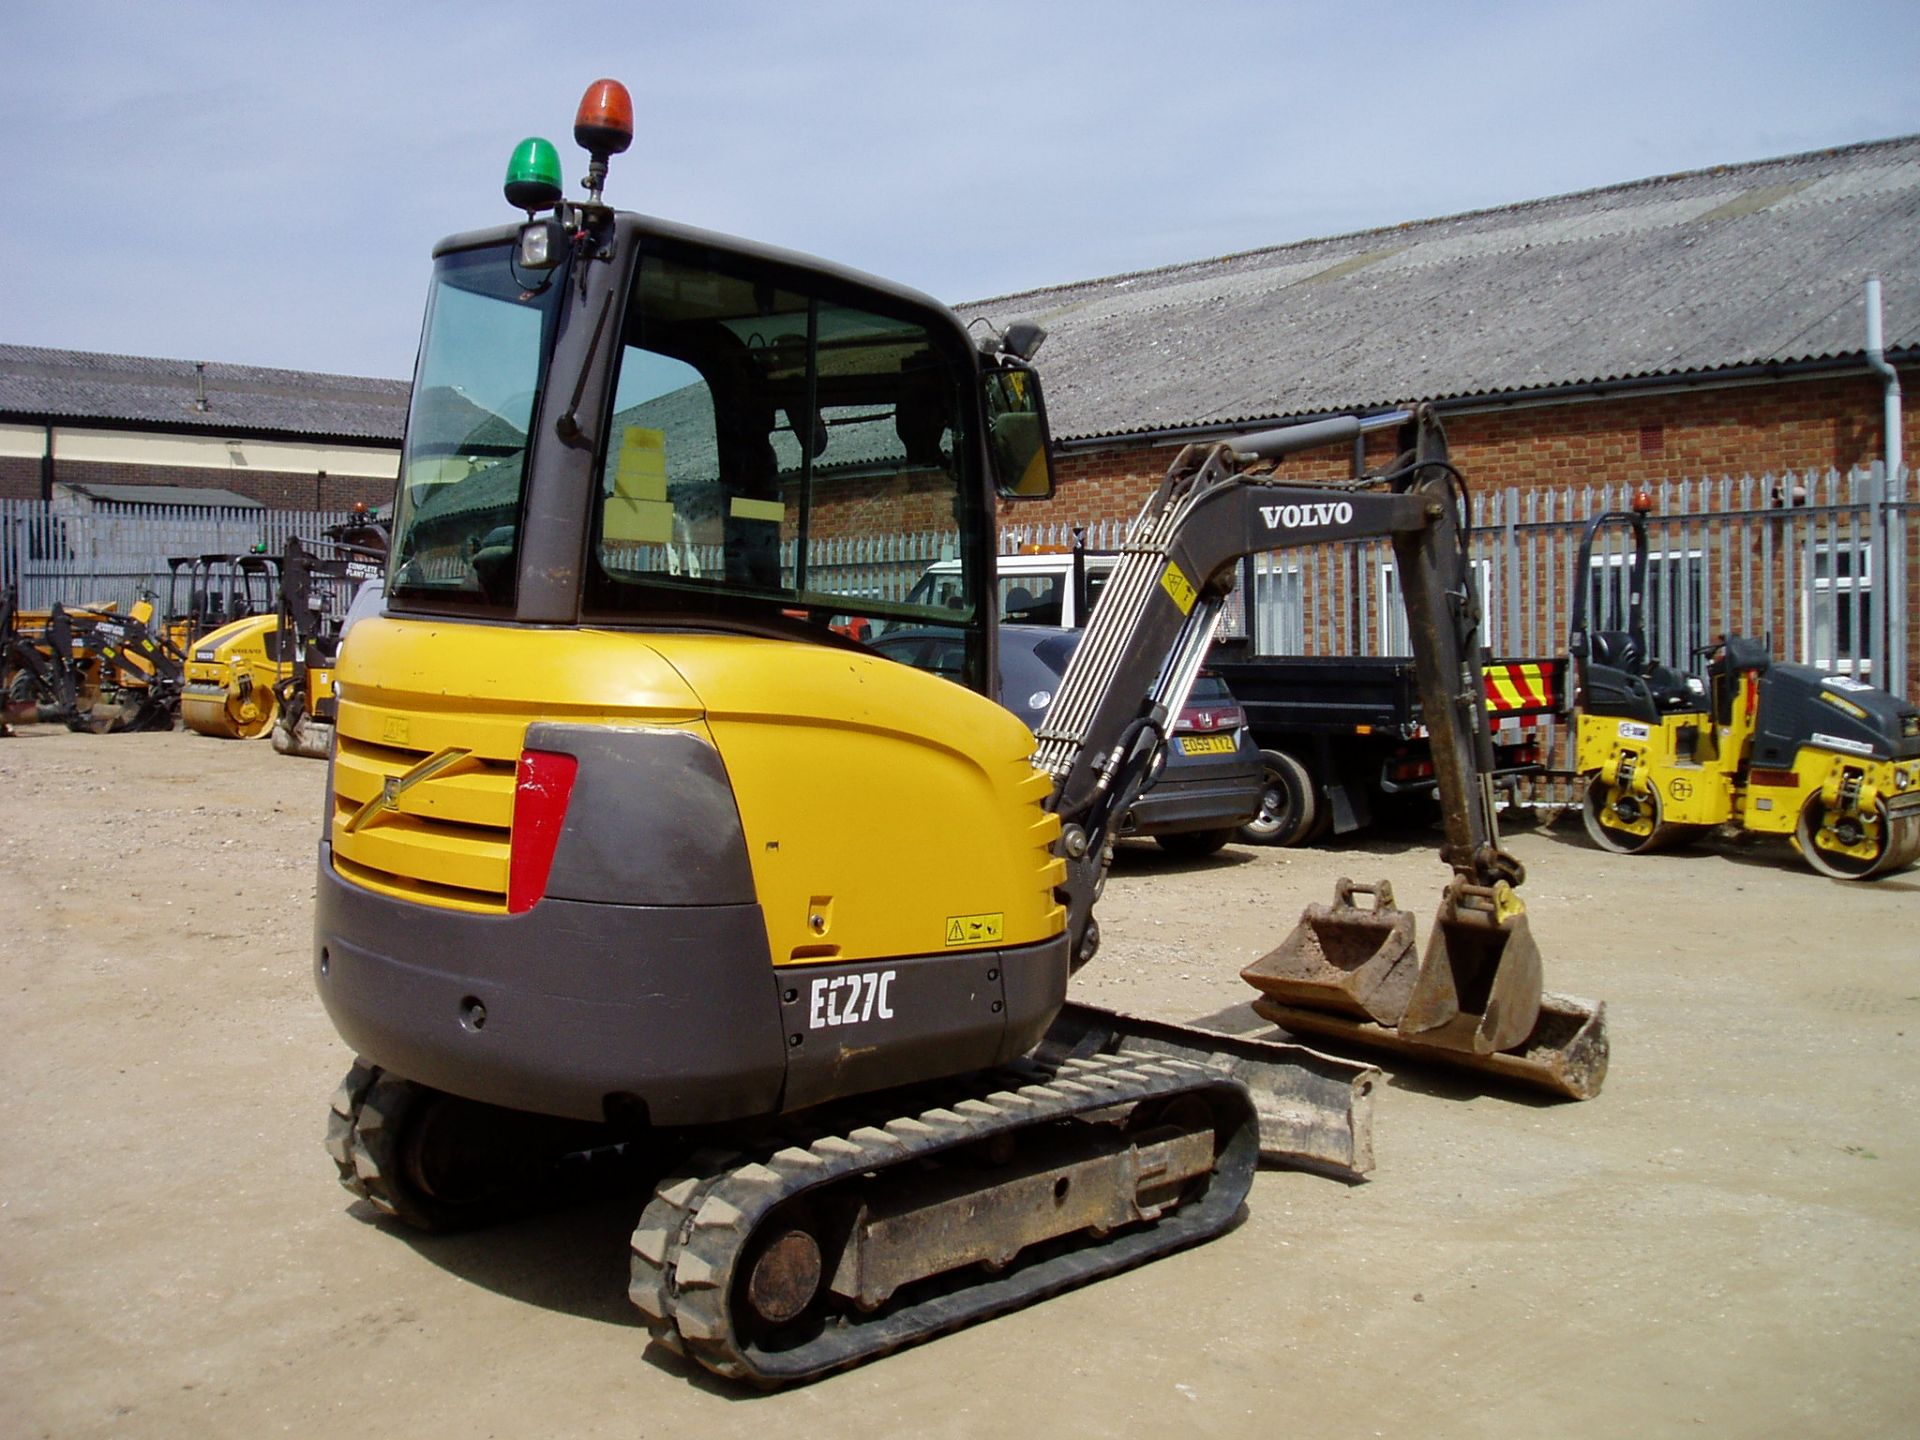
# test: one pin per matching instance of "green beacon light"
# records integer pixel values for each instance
(533, 176)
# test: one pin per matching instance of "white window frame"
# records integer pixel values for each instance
(1393, 636)
(1823, 596)
(1277, 605)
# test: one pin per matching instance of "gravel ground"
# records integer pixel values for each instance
(1726, 1241)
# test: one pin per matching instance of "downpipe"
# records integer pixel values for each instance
(1894, 443)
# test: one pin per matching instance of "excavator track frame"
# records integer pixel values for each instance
(691, 1249)
(530, 1162)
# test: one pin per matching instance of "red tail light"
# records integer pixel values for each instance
(541, 789)
(1205, 719)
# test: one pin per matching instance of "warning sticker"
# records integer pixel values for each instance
(1179, 587)
(975, 929)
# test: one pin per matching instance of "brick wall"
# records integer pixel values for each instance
(19, 478)
(1749, 429)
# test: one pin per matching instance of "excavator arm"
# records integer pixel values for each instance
(1475, 997)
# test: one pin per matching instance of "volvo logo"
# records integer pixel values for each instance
(1296, 517)
(394, 786)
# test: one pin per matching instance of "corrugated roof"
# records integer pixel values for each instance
(239, 399)
(1761, 263)
(1752, 264)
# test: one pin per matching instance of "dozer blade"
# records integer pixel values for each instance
(1314, 1110)
(1342, 958)
(1475, 1000)
(308, 738)
(1566, 1053)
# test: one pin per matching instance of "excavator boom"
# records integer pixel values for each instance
(1347, 972)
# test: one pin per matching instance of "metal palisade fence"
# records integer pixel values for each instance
(84, 554)
(1821, 564)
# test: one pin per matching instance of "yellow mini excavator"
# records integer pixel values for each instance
(629, 845)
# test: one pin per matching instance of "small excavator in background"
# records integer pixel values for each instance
(141, 668)
(91, 668)
(1770, 747)
(318, 581)
(631, 845)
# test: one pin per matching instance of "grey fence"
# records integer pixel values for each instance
(1820, 564)
(80, 552)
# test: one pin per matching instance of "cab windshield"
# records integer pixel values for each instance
(462, 475)
(779, 445)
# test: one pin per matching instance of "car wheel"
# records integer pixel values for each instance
(1288, 806)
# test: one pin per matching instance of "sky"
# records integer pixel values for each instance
(262, 183)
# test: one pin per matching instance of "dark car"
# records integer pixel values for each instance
(1210, 780)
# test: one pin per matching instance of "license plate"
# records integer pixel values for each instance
(1207, 744)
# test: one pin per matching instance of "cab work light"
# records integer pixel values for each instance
(542, 244)
(542, 786)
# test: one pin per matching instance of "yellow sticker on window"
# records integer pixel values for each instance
(641, 473)
(1179, 587)
(771, 510)
(637, 522)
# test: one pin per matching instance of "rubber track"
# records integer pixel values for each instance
(367, 1120)
(701, 1221)
(343, 1121)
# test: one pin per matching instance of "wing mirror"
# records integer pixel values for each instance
(1017, 434)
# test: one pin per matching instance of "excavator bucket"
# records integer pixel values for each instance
(1343, 958)
(1474, 1000)
(1479, 984)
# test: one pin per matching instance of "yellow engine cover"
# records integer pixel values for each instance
(886, 811)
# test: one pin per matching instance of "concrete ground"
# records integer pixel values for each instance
(1725, 1242)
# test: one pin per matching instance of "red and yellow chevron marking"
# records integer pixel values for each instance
(1516, 686)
